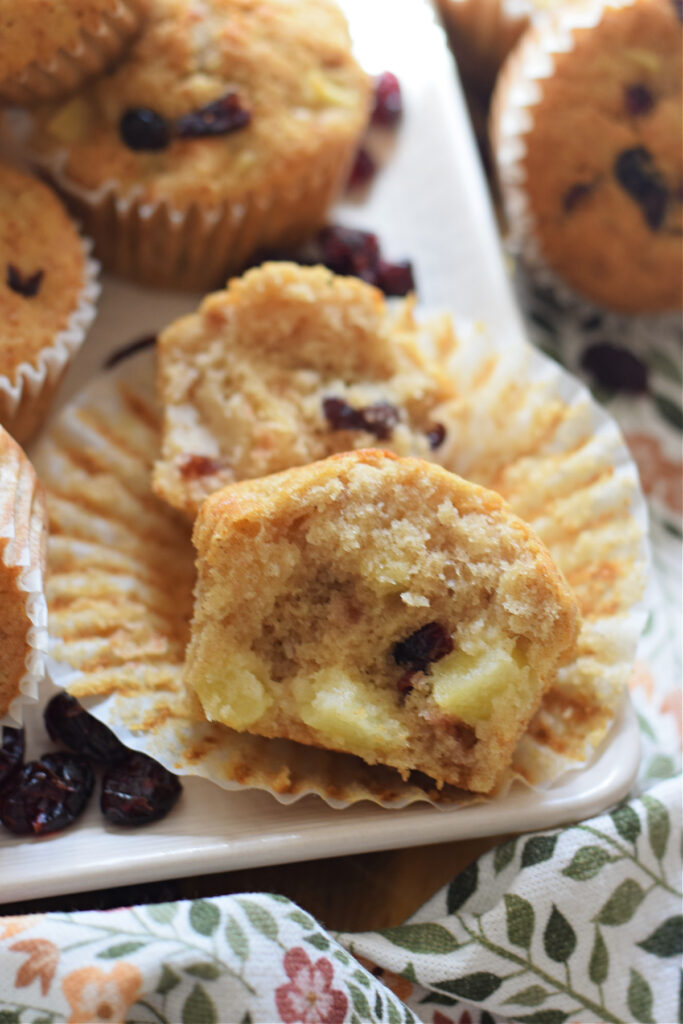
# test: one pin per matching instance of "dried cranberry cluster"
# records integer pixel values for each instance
(49, 794)
(355, 253)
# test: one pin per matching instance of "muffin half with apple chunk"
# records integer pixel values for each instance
(381, 606)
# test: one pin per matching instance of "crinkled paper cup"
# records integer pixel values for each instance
(90, 53)
(23, 537)
(25, 398)
(122, 571)
(197, 248)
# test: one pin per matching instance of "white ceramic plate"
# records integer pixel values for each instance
(428, 203)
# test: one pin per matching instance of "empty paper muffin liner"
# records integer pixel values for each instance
(26, 397)
(121, 571)
(90, 54)
(23, 536)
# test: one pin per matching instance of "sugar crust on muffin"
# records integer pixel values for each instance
(287, 366)
(290, 65)
(48, 48)
(380, 606)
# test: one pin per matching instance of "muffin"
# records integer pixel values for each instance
(49, 49)
(379, 606)
(287, 366)
(23, 614)
(587, 135)
(47, 295)
(230, 126)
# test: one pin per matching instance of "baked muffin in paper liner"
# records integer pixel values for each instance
(48, 298)
(52, 50)
(121, 570)
(259, 117)
(23, 611)
(585, 132)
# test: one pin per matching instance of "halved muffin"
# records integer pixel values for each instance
(380, 606)
(287, 366)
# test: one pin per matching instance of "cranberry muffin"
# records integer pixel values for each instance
(49, 48)
(287, 366)
(47, 296)
(587, 132)
(230, 126)
(379, 606)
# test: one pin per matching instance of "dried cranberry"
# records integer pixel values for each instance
(11, 754)
(194, 466)
(575, 195)
(129, 350)
(636, 172)
(428, 644)
(436, 436)
(349, 251)
(69, 723)
(217, 118)
(395, 278)
(378, 419)
(143, 129)
(405, 684)
(388, 105)
(27, 285)
(340, 415)
(363, 169)
(615, 368)
(638, 99)
(47, 795)
(138, 790)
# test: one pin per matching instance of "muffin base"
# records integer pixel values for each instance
(196, 248)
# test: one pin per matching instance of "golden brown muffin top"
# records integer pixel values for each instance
(288, 63)
(42, 268)
(34, 30)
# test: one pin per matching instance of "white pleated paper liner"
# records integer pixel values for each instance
(122, 571)
(23, 549)
(24, 399)
(90, 53)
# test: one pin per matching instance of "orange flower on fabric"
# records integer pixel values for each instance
(98, 997)
(660, 476)
(11, 926)
(42, 963)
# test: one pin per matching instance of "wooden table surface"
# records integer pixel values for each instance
(356, 893)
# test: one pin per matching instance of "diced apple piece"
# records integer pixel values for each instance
(348, 714)
(467, 685)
